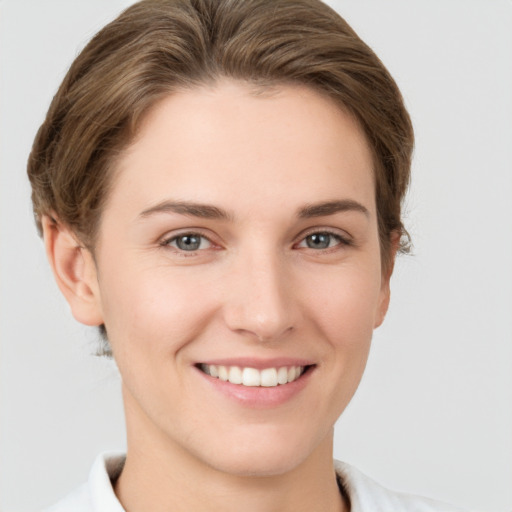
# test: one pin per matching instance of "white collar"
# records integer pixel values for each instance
(365, 495)
(106, 468)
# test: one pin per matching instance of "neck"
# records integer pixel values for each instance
(160, 476)
(150, 482)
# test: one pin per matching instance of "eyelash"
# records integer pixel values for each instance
(182, 252)
(341, 241)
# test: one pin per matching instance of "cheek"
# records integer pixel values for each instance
(155, 311)
(346, 302)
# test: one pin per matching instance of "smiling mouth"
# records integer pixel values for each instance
(252, 377)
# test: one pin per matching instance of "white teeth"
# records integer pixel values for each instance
(268, 377)
(251, 377)
(282, 375)
(223, 373)
(235, 375)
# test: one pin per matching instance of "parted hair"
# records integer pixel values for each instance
(156, 47)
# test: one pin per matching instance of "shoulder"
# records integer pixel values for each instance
(366, 495)
(97, 495)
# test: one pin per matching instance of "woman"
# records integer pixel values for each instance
(219, 189)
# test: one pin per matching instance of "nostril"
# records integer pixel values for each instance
(272, 335)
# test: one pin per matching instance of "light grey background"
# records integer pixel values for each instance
(434, 412)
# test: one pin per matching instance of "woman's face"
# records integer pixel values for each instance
(240, 240)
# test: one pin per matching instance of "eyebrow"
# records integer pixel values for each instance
(330, 208)
(207, 211)
(204, 211)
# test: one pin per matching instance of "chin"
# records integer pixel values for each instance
(252, 465)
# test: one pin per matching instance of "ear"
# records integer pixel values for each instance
(387, 271)
(74, 270)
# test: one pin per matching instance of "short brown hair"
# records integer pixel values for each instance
(159, 46)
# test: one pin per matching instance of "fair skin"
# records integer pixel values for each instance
(241, 232)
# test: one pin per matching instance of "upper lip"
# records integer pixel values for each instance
(258, 363)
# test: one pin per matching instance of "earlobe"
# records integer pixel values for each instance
(74, 271)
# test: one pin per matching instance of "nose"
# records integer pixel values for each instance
(260, 298)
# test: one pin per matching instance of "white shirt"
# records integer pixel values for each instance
(365, 495)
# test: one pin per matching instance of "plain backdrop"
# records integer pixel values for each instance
(433, 414)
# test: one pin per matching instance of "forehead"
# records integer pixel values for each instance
(230, 139)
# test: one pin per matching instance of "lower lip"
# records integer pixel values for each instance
(259, 397)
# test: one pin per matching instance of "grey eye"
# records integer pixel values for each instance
(321, 240)
(190, 242)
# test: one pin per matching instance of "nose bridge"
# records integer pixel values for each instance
(260, 302)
